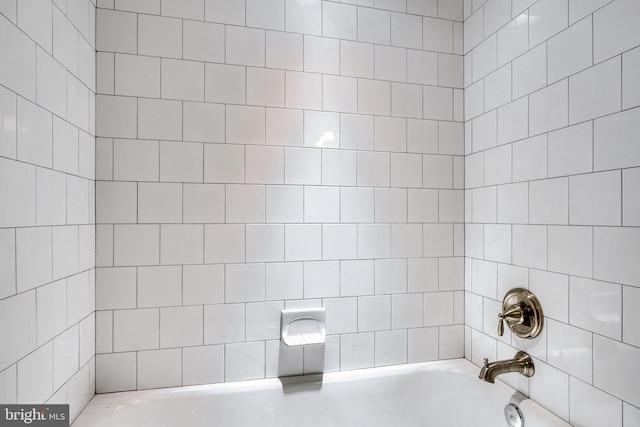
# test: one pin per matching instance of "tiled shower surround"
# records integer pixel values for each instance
(252, 155)
(552, 137)
(47, 237)
(260, 155)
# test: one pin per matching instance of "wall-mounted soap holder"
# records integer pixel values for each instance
(522, 313)
(302, 326)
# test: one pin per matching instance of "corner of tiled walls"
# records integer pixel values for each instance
(348, 193)
(552, 96)
(256, 155)
(47, 237)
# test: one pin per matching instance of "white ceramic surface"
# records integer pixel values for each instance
(439, 394)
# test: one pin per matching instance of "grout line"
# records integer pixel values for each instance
(622, 193)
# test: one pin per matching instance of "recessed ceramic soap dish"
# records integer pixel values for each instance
(302, 326)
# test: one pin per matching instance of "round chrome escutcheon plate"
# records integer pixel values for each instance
(513, 416)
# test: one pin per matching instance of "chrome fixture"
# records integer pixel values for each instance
(522, 313)
(521, 363)
(513, 415)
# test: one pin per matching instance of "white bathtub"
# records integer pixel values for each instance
(438, 394)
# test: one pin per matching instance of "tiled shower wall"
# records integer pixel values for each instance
(47, 237)
(553, 196)
(256, 155)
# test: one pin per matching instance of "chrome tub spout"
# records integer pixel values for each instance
(521, 363)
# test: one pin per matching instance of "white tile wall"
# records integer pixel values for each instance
(564, 171)
(47, 191)
(275, 154)
(352, 205)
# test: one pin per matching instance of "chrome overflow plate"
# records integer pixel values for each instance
(513, 416)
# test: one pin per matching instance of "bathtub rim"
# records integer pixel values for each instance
(460, 364)
(105, 403)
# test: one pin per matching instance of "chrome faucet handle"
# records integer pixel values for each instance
(515, 314)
